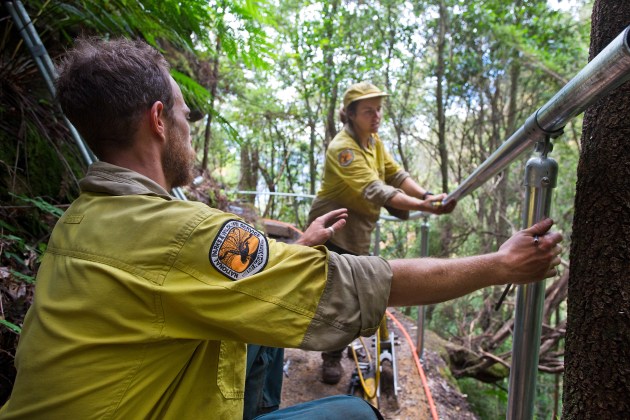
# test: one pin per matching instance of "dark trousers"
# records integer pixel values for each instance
(263, 383)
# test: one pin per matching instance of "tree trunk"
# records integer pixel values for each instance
(439, 95)
(330, 76)
(597, 378)
(214, 81)
(446, 228)
(249, 171)
(312, 162)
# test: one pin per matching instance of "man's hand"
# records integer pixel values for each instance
(532, 254)
(323, 228)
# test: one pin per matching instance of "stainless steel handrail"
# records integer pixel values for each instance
(412, 216)
(275, 193)
(609, 69)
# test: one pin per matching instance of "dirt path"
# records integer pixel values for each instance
(303, 382)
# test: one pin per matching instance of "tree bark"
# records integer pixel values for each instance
(214, 82)
(249, 171)
(439, 95)
(597, 378)
(329, 75)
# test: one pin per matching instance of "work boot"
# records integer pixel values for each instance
(331, 367)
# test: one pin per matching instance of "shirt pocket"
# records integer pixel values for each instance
(231, 370)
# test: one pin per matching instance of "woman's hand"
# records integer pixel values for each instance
(433, 204)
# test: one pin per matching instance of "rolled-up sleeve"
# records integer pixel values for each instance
(398, 178)
(378, 193)
(353, 302)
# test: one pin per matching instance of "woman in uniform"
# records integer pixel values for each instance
(361, 176)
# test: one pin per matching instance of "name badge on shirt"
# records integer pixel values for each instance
(239, 250)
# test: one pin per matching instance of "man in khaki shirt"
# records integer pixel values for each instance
(144, 304)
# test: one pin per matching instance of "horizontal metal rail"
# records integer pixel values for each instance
(609, 69)
(412, 216)
(275, 193)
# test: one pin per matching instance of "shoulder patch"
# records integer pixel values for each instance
(239, 250)
(345, 157)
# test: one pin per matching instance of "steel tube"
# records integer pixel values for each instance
(424, 252)
(412, 216)
(609, 69)
(540, 179)
(276, 194)
(377, 239)
(45, 65)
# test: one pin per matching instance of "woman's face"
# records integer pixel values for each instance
(368, 115)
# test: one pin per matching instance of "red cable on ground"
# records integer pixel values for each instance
(418, 365)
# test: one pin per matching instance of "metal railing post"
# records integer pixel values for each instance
(424, 252)
(377, 239)
(540, 179)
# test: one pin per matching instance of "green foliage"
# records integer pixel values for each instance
(22, 277)
(489, 402)
(42, 205)
(11, 326)
(198, 96)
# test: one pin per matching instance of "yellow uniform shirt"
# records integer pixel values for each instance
(361, 180)
(143, 306)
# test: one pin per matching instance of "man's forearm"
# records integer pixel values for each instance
(423, 281)
(527, 256)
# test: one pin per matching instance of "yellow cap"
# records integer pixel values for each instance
(359, 91)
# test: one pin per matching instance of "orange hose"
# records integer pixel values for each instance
(425, 385)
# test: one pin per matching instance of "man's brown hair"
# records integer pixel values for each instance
(104, 87)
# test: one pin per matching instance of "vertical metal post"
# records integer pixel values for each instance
(424, 252)
(540, 179)
(377, 239)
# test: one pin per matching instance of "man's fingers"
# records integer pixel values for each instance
(334, 215)
(339, 224)
(540, 228)
(550, 241)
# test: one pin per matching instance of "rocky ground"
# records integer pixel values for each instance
(302, 381)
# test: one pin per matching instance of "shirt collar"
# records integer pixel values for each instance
(350, 131)
(103, 177)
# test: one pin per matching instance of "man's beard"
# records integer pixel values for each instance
(178, 161)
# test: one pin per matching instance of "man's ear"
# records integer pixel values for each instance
(156, 119)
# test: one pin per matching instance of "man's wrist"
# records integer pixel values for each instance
(426, 194)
